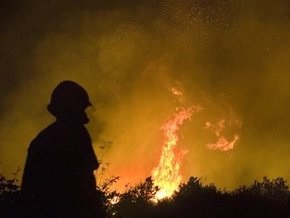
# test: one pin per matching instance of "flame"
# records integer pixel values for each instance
(176, 92)
(222, 143)
(167, 174)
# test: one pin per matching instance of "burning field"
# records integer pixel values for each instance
(180, 88)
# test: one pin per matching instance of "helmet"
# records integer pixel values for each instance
(68, 96)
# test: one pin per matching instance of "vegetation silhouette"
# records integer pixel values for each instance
(267, 198)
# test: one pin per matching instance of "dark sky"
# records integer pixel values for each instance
(231, 57)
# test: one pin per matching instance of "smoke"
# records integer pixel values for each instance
(231, 57)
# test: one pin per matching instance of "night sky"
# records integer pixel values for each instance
(231, 57)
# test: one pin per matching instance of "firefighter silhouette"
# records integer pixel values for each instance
(58, 178)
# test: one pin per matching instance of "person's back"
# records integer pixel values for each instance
(58, 178)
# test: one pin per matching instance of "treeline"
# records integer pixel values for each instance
(268, 198)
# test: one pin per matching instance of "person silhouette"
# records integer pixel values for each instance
(58, 178)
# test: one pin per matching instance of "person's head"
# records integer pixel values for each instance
(69, 101)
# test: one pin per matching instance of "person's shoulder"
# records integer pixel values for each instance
(44, 135)
(48, 131)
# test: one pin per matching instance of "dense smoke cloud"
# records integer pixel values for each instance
(230, 57)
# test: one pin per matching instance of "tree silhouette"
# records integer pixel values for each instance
(9, 196)
(267, 198)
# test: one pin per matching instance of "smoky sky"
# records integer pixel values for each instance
(230, 57)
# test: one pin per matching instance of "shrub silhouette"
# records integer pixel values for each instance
(267, 198)
(9, 196)
(136, 201)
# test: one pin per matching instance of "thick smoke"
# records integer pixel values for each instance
(230, 57)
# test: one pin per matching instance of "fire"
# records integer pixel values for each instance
(223, 143)
(167, 174)
(176, 92)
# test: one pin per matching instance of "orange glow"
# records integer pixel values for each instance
(167, 174)
(176, 92)
(222, 143)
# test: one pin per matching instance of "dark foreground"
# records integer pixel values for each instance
(266, 198)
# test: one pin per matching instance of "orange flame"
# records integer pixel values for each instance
(222, 143)
(167, 174)
(176, 92)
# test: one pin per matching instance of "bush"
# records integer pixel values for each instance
(9, 196)
(267, 198)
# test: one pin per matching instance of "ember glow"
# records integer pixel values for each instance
(167, 174)
(222, 143)
(176, 92)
